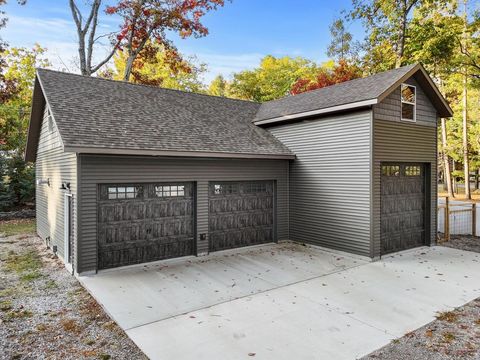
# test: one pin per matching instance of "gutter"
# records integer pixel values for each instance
(174, 153)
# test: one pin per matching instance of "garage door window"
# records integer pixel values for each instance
(390, 170)
(413, 171)
(124, 192)
(225, 189)
(170, 190)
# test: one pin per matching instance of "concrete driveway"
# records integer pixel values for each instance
(283, 301)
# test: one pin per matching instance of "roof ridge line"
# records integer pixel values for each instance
(342, 83)
(148, 86)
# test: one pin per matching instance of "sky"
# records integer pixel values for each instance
(240, 33)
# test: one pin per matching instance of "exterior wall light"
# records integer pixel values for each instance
(65, 186)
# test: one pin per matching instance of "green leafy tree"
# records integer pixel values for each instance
(218, 86)
(156, 66)
(273, 79)
(341, 47)
(387, 23)
(17, 177)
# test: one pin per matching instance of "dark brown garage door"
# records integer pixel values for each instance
(402, 206)
(240, 214)
(144, 222)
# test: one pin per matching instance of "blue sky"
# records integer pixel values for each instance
(240, 33)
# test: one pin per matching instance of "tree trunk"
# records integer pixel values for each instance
(401, 41)
(446, 163)
(128, 67)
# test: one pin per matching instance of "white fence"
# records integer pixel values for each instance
(463, 218)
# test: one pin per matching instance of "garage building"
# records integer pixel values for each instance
(129, 174)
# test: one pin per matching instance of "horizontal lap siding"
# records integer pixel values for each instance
(330, 181)
(403, 142)
(53, 164)
(118, 169)
(390, 107)
(400, 141)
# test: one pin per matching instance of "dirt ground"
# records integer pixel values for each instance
(46, 314)
(454, 335)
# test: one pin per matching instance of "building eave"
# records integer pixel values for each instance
(174, 153)
(324, 111)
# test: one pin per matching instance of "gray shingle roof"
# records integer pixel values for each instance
(99, 113)
(353, 91)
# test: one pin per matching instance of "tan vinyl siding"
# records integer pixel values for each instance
(123, 169)
(390, 107)
(53, 164)
(330, 181)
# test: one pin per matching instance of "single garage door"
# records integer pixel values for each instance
(144, 222)
(241, 213)
(402, 207)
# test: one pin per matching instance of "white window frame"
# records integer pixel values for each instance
(408, 102)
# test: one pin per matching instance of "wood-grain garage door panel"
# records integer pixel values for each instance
(147, 226)
(240, 214)
(402, 207)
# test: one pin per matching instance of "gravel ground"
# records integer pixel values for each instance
(454, 335)
(46, 314)
(463, 242)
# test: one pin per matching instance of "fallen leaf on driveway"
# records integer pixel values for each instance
(251, 354)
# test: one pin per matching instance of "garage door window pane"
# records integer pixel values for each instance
(169, 190)
(124, 192)
(390, 170)
(413, 171)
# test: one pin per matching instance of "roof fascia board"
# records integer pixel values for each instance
(31, 153)
(173, 153)
(328, 110)
(429, 80)
(34, 125)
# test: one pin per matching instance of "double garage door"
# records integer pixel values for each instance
(140, 223)
(402, 206)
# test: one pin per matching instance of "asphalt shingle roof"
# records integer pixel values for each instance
(99, 113)
(367, 88)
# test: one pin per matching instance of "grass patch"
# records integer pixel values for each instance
(18, 314)
(448, 337)
(50, 284)
(7, 292)
(71, 325)
(30, 276)
(17, 227)
(27, 262)
(448, 316)
(5, 305)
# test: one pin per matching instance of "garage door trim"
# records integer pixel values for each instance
(426, 175)
(270, 188)
(190, 209)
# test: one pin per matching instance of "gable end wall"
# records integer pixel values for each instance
(402, 141)
(53, 164)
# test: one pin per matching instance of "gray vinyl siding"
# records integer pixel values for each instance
(123, 169)
(330, 181)
(53, 164)
(403, 142)
(390, 107)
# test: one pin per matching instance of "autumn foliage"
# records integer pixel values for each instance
(147, 21)
(326, 77)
